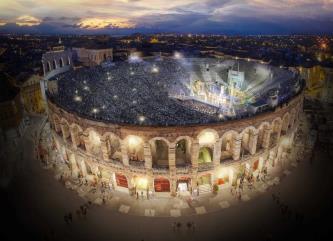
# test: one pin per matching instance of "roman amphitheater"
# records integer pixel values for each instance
(167, 127)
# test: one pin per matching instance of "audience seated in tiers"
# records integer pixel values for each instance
(135, 93)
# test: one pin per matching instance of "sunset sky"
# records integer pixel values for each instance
(205, 16)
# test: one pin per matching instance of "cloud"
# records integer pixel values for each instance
(218, 16)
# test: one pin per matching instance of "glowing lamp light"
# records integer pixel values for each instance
(154, 70)
(141, 183)
(78, 98)
(133, 141)
(141, 118)
(94, 110)
(86, 88)
(207, 138)
(177, 55)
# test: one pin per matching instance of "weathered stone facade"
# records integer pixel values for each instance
(168, 155)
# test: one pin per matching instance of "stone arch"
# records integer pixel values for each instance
(227, 144)
(92, 141)
(61, 62)
(54, 64)
(48, 66)
(134, 148)
(112, 147)
(285, 123)
(183, 146)
(56, 121)
(65, 129)
(205, 155)
(249, 140)
(276, 130)
(208, 137)
(263, 133)
(159, 148)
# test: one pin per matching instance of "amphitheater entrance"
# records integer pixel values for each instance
(183, 155)
(161, 185)
(160, 154)
(205, 184)
(121, 182)
(140, 185)
(205, 155)
(226, 147)
(184, 186)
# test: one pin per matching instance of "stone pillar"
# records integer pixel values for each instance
(74, 167)
(236, 147)
(85, 137)
(253, 142)
(105, 150)
(195, 153)
(147, 156)
(217, 153)
(75, 138)
(65, 132)
(124, 153)
(172, 156)
(173, 186)
(82, 165)
(266, 137)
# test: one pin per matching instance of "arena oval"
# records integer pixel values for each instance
(171, 160)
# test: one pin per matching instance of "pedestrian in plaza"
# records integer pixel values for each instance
(66, 219)
(189, 225)
(174, 226)
(70, 217)
(137, 195)
(193, 226)
(179, 225)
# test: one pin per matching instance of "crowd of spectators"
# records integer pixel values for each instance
(132, 93)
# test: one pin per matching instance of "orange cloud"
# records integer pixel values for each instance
(98, 23)
(27, 20)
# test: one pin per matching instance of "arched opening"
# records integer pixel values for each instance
(54, 64)
(228, 140)
(134, 146)
(94, 143)
(224, 176)
(113, 146)
(285, 124)
(121, 180)
(160, 153)
(161, 185)
(205, 155)
(247, 141)
(61, 62)
(262, 131)
(204, 184)
(183, 154)
(276, 128)
(48, 67)
(77, 139)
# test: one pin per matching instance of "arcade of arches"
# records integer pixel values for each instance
(162, 165)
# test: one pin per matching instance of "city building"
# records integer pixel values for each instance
(92, 57)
